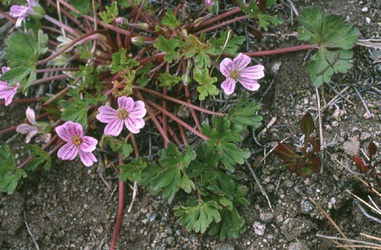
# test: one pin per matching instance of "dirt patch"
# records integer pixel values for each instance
(70, 207)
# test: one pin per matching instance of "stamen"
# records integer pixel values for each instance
(122, 114)
(77, 140)
(234, 74)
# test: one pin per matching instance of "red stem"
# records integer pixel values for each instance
(78, 39)
(153, 118)
(179, 121)
(222, 24)
(119, 217)
(178, 101)
(26, 100)
(282, 50)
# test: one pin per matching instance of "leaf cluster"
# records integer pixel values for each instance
(10, 175)
(305, 161)
(335, 38)
(252, 10)
(368, 166)
(204, 173)
(22, 52)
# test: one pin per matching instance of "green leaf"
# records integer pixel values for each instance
(329, 31)
(227, 43)
(40, 157)
(243, 114)
(198, 218)
(173, 175)
(326, 62)
(206, 83)
(10, 175)
(119, 146)
(336, 38)
(223, 139)
(22, 52)
(143, 75)
(82, 6)
(170, 47)
(266, 20)
(231, 225)
(168, 80)
(110, 14)
(170, 20)
(133, 171)
(187, 184)
(193, 47)
(120, 61)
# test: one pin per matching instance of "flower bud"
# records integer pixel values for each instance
(137, 40)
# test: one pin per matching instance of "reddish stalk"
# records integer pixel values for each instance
(119, 217)
(55, 70)
(194, 115)
(178, 101)
(217, 18)
(48, 79)
(179, 121)
(154, 119)
(26, 100)
(78, 39)
(222, 24)
(282, 50)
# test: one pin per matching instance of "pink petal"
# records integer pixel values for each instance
(18, 10)
(249, 84)
(30, 115)
(126, 103)
(114, 127)
(4, 69)
(8, 92)
(30, 135)
(87, 158)
(68, 130)
(139, 110)
(228, 85)
(25, 128)
(227, 66)
(241, 61)
(134, 125)
(254, 72)
(68, 151)
(107, 114)
(88, 144)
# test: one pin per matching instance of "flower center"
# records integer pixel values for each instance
(77, 140)
(122, 114)
(234, 74)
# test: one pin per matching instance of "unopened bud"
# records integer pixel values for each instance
(137, 40)
(122, 22)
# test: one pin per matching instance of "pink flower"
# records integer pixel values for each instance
(7, 92)
(77, 143)
(129, 112)
(21, 11)
(237, 70)
(33, 128)
(209, 2)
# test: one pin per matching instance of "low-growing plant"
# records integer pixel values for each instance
(368, 166)
(305, 160)
(133, 70)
